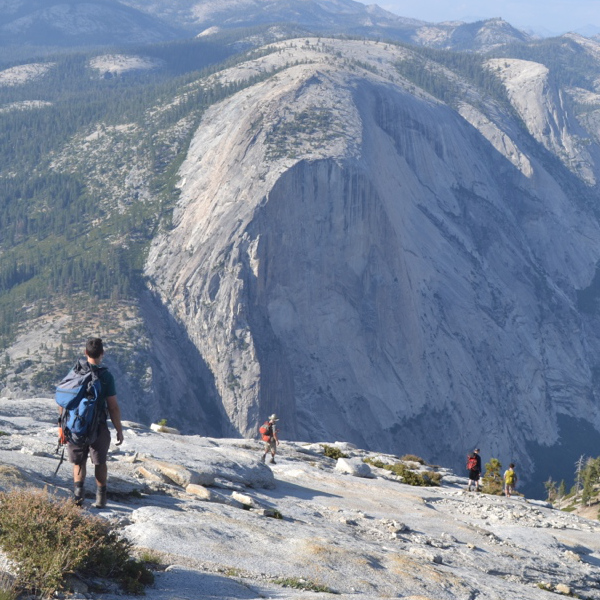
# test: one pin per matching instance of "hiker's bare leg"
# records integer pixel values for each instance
(79, 473)
(78, 480)
(101, 473)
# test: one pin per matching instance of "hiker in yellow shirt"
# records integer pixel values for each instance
(510, 480)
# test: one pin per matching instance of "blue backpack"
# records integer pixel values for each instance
(79, 395)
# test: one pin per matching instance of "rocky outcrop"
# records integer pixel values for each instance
(481, 36)
(541, 105)
(354, 255)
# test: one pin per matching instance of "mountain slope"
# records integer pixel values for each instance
(351, 253)
(68, 23)
(333, 17)
(323, 14)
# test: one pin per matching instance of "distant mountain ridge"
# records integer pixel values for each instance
(65, 23)
(333, 17)
(80, 23)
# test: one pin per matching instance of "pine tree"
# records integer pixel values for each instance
(579, 465)
(492, 480)
(590, 475)
(551, 491)
(562, 492)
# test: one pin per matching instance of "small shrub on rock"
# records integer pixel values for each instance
(50, 539)
(333, 452)
(298, 583)
(432, 477)
(7, 587)
(427, 479)
(413, 458)
(150, 558)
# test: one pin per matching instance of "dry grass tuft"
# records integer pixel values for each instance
(50, 539)
(10, 475)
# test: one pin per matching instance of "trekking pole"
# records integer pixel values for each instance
(62, 442)
(62, 458)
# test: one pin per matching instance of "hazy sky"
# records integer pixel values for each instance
(556, 16)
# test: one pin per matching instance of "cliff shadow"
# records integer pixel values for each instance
(183, 387)
(577, 438)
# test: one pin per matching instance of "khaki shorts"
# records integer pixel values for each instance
(98, 451)
(270, 446)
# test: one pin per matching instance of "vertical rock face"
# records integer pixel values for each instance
(358, 257)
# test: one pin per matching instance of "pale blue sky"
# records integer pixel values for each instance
(556, 16)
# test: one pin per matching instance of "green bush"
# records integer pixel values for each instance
(426, 479)
(412, 458)
(492, 482)
(8, 594)
(333, 452)
(7, 587)
(50, 539)
(303, 584)
(150, 558)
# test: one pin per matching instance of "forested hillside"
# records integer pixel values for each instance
(88, 172)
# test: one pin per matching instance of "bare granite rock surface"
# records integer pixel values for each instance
(315, 527)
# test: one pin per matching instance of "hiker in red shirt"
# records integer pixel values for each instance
(474, 468)
(269, 435)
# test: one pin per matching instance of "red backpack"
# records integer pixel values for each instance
(471, 462)
(266, 431)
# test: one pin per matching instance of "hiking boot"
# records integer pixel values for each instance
(100, 497)
(79, 495)
(272, 461)
(263, 458)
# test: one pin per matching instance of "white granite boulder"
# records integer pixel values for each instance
(164, 429)
(179, 474)
(353, 466)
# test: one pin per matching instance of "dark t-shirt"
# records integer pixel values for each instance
(107, 390)
(108, 384)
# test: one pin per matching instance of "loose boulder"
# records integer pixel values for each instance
(353, 466)
(201, 493)
(180, 475)
(164, 429)
(245, 500)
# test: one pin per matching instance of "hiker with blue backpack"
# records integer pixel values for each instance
(86, 397)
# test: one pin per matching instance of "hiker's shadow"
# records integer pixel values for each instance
(285, 489)
(586, 554)
(186, 584)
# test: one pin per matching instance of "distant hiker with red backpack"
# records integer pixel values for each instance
(268, 431)
(84, 398)
(474, 468)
